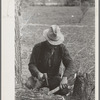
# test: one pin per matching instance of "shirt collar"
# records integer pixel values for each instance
(48, 46)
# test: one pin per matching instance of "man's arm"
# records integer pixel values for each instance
(32, 64)
(68, 62)
(69, 67)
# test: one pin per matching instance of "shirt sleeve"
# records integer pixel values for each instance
(68, 62)
(32, 64)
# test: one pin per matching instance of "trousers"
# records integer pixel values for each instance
(53, 83)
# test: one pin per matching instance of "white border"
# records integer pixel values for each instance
(8, 54)
(7, 51)
(96, 50)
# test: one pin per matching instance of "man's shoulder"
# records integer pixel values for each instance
(62, 45)
(38, 45)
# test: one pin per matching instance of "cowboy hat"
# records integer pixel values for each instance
(53, 35)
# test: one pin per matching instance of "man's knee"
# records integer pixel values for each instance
(30, 83)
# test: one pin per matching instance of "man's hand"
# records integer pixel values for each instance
(63, 83)
(40, 75)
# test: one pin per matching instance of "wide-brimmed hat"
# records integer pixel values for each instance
(53, 35)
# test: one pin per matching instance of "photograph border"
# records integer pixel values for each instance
(8, 50)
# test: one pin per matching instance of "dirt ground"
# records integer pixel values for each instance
(79, 37)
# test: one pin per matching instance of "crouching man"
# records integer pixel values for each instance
(46, 58)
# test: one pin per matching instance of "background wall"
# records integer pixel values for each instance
(57, 2)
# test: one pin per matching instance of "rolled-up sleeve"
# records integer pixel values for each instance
(32, 64)
(68, 62)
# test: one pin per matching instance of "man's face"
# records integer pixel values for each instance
(50, 45)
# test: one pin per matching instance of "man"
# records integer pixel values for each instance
(46, 58)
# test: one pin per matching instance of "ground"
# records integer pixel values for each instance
(79, 37)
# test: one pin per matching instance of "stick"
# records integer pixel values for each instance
(54, 90)
(58, 88)
(46, 78)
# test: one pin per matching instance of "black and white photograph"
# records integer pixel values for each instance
(54, 49)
